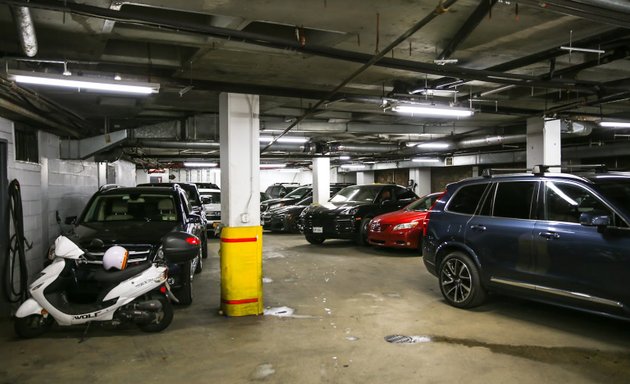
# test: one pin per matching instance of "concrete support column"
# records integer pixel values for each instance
(543, 142)
(321, 179)
(366, 177)
(241, 235)
(240, 159)
(422, 176)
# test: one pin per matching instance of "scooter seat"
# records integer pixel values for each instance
(115, 277)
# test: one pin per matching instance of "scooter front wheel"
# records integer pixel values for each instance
(32, 325)
(163, 317)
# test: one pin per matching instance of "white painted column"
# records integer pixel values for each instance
(543, 142)
(240, 159)
(422, 176)
(366, 177)
(321, 179)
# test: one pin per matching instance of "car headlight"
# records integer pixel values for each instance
(405, 226)
(159, 255)
(350, 211)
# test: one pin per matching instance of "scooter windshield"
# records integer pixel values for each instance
(67, 249)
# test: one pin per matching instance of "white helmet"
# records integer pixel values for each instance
(115, 257)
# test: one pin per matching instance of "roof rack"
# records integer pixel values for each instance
(489, 172)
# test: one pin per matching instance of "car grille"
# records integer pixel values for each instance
(331, 224)
(137, 253)
(379, 227)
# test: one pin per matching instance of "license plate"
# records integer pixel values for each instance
(318, 230)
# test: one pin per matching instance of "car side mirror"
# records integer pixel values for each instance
(206, 200)
(193, 218)
(595, 219)
(180, 247)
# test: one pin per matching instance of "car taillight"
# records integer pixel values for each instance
(193, 240)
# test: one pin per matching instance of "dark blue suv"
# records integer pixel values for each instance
(552, 237)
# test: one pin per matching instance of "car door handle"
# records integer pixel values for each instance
(549, 235)
(478, 227)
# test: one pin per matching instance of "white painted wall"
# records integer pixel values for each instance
(49, 186)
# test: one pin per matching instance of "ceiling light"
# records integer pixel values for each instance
(81, 82)
(195, 164)
(344, 157)
(433, 145)
(268, 139)
(445, 61)
(431, 110)
(425, 160)
(271, 166)
(434, 92)
(117, 77)
(614, 124)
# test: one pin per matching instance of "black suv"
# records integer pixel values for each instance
(137, 219)
(194, 200)
(347, 214)
(551, 237)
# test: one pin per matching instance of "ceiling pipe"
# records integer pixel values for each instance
(582, 86)
(613, 12)
(363, 148)
(26, 30)
(211, 145)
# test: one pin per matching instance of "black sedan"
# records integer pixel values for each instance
(348, 213)
(285, 219)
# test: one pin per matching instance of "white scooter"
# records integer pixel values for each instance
(139, 294)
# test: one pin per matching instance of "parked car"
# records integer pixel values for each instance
(211, 200)
(280, 189)
(207, 186)
(264, 196)
(285, 219)
(296, 195)
(347, 214)
(194, 199)
(137, 219)
(403, 228)
(551, 237)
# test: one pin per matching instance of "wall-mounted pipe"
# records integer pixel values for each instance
(25, 29)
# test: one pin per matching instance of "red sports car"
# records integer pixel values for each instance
(403, 228)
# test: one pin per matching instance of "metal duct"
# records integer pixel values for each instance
(25, 29)
(485, 141)
(213, 145)
(365, 148)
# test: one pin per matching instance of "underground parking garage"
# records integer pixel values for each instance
(332, 192)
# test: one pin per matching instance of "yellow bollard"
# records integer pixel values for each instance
(241, 271)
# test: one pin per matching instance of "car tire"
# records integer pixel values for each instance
(163, 320)
(361, 237)
(185, 293)
(460, 282)
(419, 247)
(199, 266)
(314, 239)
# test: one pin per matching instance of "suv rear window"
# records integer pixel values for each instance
(135, 207)
(466, 199)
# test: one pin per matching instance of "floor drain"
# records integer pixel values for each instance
(402, 339)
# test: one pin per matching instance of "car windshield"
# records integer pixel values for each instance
(360, 193)
(422, 204)
(617, 190)
(211, 197)
(131, 207)
(298, 193)
(306, 201)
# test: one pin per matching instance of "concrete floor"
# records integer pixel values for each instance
(346, 301)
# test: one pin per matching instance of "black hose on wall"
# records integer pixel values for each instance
(16, 290)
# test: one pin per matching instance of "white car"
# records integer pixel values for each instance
(211, 200)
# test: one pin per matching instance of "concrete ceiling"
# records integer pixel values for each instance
(509, 67)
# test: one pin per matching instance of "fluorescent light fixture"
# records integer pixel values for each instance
(80, 82)
(425, 160)
(588, 50)
(433, 145)
(271, 166)
(614, 124)
(352, 166)
(430, 110)
(344, 157)
(290, 170)
(284, 139)
(198, 164)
